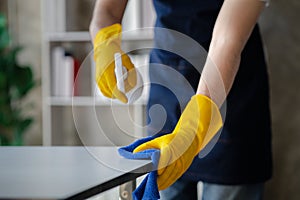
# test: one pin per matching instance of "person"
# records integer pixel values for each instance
(234, 74)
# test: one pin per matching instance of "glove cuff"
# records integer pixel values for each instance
(105, 35)
(211, 116)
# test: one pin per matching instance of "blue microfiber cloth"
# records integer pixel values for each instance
(148, 189)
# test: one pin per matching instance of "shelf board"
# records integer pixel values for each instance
(68, 37)
(88, 101)
(84, 36)
(138, 35)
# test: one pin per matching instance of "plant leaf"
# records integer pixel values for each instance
(2, 21)
(11, 56)
(24, 124)
(22, 81)
(3, 81)
(4, 39)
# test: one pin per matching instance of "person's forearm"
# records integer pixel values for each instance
(231, 32)
(106, 13)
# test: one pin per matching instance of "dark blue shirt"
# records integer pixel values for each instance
(242, 153)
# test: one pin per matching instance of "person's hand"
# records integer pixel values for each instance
(108, 42)
(197, 125)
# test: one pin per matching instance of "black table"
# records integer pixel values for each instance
(64, 172)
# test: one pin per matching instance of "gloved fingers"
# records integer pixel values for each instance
(127, 62)
(131, 80)
(102, 82)
(116, 93)
(119, 95)
(148, 145)
(105, 93)
(138, 142)
(104, 88)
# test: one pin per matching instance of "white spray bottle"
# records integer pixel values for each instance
(121, 75)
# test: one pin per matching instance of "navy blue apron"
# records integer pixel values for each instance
(242, 154)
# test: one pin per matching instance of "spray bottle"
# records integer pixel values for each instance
(121, 75)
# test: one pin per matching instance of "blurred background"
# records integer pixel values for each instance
(55, 32)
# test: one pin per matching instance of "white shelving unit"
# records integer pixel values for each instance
(87, 101)
(84, 36)
(59, 112)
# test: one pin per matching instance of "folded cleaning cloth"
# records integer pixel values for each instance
(148, 189)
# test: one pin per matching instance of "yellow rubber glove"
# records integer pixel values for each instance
(197, 125)
(108, 42)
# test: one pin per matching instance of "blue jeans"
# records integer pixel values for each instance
(183, 189)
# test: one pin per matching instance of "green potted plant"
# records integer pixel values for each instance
(16, 81)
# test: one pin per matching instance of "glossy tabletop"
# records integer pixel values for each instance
(64, 172)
